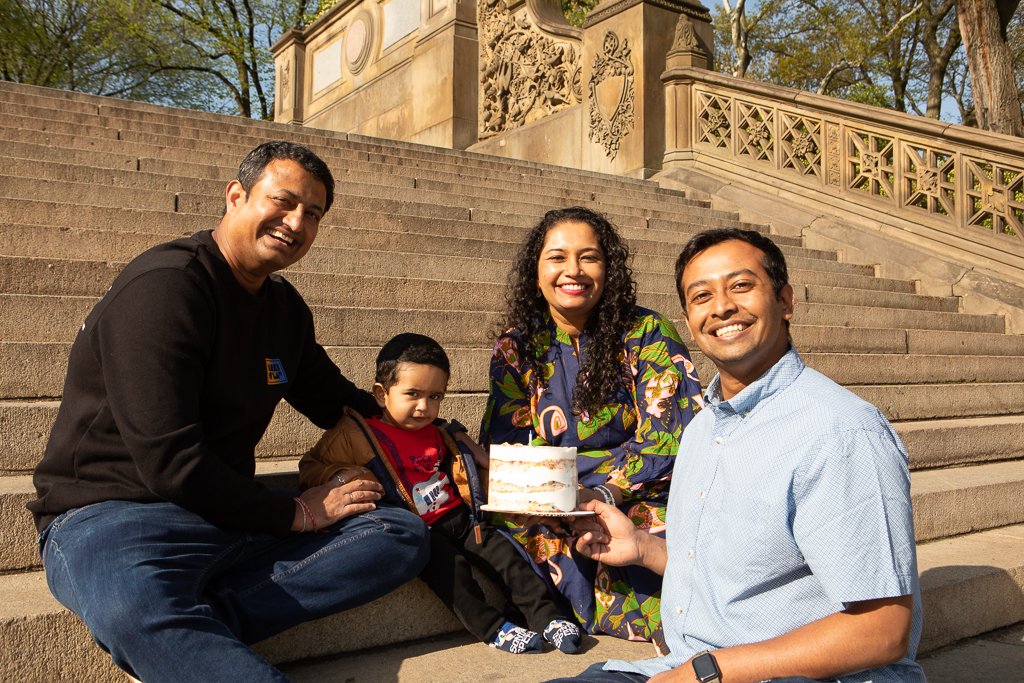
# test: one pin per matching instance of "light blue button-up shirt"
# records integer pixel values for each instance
(788, 501)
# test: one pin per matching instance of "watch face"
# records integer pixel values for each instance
(705, 667)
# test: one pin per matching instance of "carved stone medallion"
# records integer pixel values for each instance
(358, 41)
(612, 94)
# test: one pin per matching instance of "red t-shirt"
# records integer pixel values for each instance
(416, 456)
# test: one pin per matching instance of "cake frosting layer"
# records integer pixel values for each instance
(532, 478)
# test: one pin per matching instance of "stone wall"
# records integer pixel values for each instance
(504, 77)
(398, 69)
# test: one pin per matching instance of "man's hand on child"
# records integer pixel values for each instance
(346, 494)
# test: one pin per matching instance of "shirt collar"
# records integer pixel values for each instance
(777, 378)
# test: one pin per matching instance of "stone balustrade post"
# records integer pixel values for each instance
(625, 46)
(289, 72)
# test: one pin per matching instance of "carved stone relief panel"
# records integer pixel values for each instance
(755, 132)
(800, 145)
(612, 94)
(929, 180)
(713, 124)
(834, 153)
(524, 75)
(995, 197)
(284, 86)
(871, 163)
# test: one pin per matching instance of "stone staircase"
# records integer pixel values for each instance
(421, 239)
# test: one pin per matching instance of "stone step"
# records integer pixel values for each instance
(352, 155)
(25, 428)
(46, 318)
(961, 500)
(191, 121)
(961, 441)
(230, 132)
(458, 658)
(996, 657)
(374, 213)
(321, 278)
(372, 232)
(360, 178)
(25, 424)
(970, 584)
(392, 253)
(931, 401)
(44, 162)
(33, 370)
(947, 502)
(514, 208)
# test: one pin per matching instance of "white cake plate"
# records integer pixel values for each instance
(574, 513)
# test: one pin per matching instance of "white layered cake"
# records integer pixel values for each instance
(532, 478)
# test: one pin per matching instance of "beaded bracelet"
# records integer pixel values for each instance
(306, 514)
(606, 493)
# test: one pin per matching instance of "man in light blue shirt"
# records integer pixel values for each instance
(789, 552)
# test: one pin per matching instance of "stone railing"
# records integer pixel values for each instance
(956, 185)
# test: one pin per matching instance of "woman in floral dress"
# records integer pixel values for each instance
(580, 364)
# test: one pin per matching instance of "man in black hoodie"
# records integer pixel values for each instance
(153, 528)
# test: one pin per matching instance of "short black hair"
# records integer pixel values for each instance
(255, 162)
(408, 347)
(772, 260)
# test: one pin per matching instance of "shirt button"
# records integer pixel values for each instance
(680, 610)
(718, 439)
(690, 553)
(701, 494)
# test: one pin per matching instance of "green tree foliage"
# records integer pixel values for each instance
(97, 46)
(576, 11)
(229, 41)
(204, 54)
(901, 54)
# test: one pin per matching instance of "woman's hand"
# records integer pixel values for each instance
(349, 492)
(584, 494)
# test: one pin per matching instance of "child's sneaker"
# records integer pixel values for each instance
(517, 640)
(564, 635)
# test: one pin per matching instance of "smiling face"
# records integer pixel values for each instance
(571, 274)
(414, 400)
(733, 314)
(272, 226)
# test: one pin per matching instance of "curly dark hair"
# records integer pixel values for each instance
(527, 310)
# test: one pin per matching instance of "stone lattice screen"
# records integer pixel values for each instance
(963, 181)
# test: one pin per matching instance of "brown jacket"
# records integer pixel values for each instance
(352, 443)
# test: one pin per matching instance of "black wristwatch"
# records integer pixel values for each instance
(706, 668)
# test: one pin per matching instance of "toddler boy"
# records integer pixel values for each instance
(434, 474)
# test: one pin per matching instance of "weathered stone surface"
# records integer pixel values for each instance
(420, 231)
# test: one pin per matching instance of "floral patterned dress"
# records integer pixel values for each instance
(631, 443)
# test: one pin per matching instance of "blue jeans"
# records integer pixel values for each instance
(596, 674)
(172, 597)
